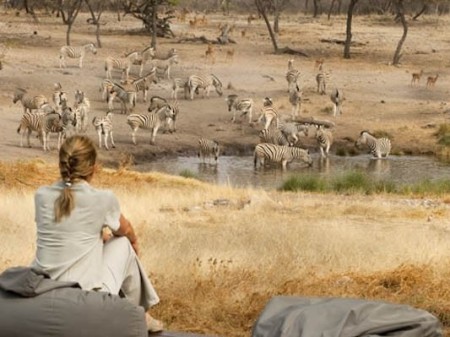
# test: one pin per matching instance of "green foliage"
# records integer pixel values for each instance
(443, 134)
(188, 174)
(310, 182)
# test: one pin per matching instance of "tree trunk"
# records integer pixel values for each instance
(69, 28)
(306, 6)
(423, 10)
(276, 21)
(348, 39)
(96, 20)
(339, 7)
(401, 14)
(154, 16)
(316, 4)
(262, 11)
(331, 8)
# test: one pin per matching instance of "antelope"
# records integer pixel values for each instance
(416, 77)
(431, 80)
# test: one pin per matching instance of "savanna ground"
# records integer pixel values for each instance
(214, 263)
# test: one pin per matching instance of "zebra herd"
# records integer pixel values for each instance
(279, 140)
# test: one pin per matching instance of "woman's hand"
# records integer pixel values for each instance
(106, 233)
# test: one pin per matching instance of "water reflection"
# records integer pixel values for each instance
(240, 171)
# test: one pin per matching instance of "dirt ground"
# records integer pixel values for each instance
(379, 96)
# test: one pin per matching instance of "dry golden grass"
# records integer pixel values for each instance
(216, 254)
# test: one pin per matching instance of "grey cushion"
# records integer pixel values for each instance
(31, 304)
(290, 316)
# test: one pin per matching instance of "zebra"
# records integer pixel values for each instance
(324, 140)
(125, 96)
(292, 74)
(321, 80)
(292, 131)
(104, 127)
(143, 83)
(295, 98)
(57, 123)
(279, 154)
(30, 122)
(268, 113)
(337, 98)
(105, 88)
(75, 52)
(196, 82)
(58, 96)
(146, 55)
(29, 102)
(151, 121)
(124, 64)
(273, 136)
(208, 148)
(180, 83)
(244, 106)
(163, 66)
(82, 107)
(379, 147)
(156, 102)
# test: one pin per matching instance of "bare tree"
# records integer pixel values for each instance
(96, 8)
(400, 15)
(69, 10)
(278, 7)
(338, 11)
(348, 40)
(263, 7)
(317, 8)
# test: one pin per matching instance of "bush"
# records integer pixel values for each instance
(188, 174)
(312, 183)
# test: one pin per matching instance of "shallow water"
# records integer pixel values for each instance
(239, 171)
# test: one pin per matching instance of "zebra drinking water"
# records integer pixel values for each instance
(208, 149)
(378, 147)
(75, 53)
(244, 106)
(152, 121)
(279, 154)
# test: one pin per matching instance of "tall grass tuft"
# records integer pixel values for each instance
(310, 182)
(443, 134)
(188, 174)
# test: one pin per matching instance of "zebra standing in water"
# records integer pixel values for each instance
(208, 148)
(379, 147)
(337, 97)
(324, 140)
(29, 102)
(104, 127)
(151, 121)
(292, 74)
(75, 53)
(268, 113)
(82, 107)
(280, 154)
(273, 136)
(196, 82)
(244, 106)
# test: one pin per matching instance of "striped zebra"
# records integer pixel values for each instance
(324, 139)
(126, 97)
(145, 55)
(163, 66)
(75, 53)
(378, 147)
(152, 121)
(143, 83)
(292, 74)
(123, 64)
(321, 80)
(29, 102)
(196, 82)
(178, 84)
(208, 149)
(244, 106)
(279, 154)
(105, 88)
(295, 98)
(157, 102)
(292, 131)
(58, 96)
(337, 97)
(104, 127)
(273, 136)
(268, 114)
(82, 106)
(30, 122)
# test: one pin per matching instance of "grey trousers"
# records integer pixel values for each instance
(123, 272)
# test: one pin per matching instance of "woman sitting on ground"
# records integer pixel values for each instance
(70, 216)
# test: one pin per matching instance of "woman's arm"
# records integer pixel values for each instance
(127, 230)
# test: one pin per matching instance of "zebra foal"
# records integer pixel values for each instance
(244, 106)
(279, 154)
(152, 121)
(378, 147)
(75, 53)
(208, 149)
(104, 127)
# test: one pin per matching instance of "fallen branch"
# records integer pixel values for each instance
(336, 41)
(313, 121)
(203, 39)
(287, 50)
